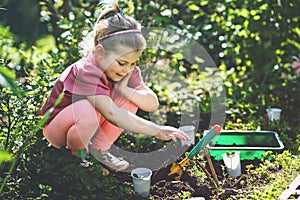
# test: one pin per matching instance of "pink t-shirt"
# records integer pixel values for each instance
(82, 79)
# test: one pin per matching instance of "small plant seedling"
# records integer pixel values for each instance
(136, 176)
(82, 153)
(230, 153)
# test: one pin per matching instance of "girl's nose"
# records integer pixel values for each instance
(126, 69)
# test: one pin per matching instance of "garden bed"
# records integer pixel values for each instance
(164, 187)
(56, 174)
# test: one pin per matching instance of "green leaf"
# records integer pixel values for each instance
(193, 7)
(178, 56)
(204, 3)
(135, 176)
(230, 153)
(7, 79)
(82, 153)
(58, 100)
(5, 156)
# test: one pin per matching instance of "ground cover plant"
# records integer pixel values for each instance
(252, 44)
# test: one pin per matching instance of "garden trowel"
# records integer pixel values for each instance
(176, 168)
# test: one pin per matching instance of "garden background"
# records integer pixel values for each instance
(253, 45)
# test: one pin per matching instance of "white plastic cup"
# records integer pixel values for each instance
(141, 181)
(232, 163)
(273, 113)
(190, 130)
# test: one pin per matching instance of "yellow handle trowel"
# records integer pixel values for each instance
(176, 168)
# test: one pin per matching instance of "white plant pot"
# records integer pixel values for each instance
(141, 181)
(232, 164)
(273, 113)
(190, 130)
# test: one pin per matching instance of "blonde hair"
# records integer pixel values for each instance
(109, 22)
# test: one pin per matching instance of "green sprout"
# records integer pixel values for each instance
(230, 153)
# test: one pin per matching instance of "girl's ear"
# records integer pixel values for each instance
(99, 49)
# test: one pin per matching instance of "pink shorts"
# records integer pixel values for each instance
(80, 123)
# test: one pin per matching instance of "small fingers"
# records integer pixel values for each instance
(172, 133)
(182, 135)
(173, 137)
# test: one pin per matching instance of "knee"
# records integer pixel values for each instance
(74, 141)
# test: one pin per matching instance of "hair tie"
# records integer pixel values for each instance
(121, 11)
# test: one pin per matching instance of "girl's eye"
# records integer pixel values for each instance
(122, 64)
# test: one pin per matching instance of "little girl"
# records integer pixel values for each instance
(102, 92)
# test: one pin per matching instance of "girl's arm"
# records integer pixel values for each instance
(142, 96)
(131, 122)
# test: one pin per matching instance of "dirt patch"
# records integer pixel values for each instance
(164, 187)
(168, 190)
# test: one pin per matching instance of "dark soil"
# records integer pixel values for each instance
(164, 187)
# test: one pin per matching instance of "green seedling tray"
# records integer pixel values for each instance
(251, 144)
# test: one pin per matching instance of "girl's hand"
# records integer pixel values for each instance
(171, 133)
(142, 96)
(121, 86)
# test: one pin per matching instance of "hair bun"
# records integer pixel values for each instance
(108, 9)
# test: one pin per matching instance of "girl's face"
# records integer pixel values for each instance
(118, 64)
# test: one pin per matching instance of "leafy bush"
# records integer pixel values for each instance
(46, 172)
(270, 179)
